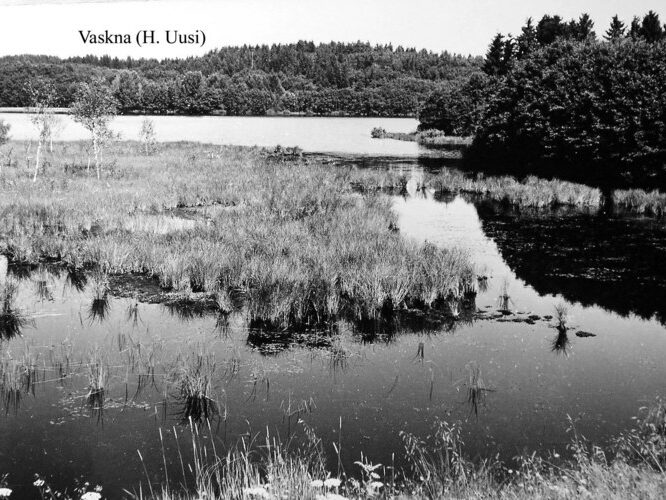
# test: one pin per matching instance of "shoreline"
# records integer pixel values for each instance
(66, 111)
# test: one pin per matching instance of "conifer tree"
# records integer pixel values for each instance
(651, 29)
(616, 30)
(493, 63)
(527, 40)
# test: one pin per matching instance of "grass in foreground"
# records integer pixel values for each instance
(633, 467)
(291, 239)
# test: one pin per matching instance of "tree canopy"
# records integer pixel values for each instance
(333, 78)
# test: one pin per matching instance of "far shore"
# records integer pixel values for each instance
(285, 114)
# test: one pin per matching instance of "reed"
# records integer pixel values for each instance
(644, 202)
(193, 379)
(18, 377)
(437, 138)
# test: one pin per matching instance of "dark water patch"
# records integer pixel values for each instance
(618, 263)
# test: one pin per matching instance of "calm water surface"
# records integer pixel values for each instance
(313, 134)
(354, 388)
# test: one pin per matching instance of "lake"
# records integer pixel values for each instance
(313, 134)
(354, 387)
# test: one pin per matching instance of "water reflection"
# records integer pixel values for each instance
(12, 318)
(618, 263)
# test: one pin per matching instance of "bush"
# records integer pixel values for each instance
(455, 108)
(589, 111)
(4, 132)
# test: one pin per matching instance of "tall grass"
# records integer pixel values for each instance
(645, 202)
(12, 319)
(299, 246)
(437, 138)
(531, 192)
(437, 468)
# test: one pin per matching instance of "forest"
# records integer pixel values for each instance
(347, 79)
(560, 101)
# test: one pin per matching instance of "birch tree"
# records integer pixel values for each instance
(42, 99)
(94, 106)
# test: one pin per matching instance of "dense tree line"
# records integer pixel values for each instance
(334, 78)
(558, 101)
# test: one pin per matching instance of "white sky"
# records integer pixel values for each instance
(461, 26)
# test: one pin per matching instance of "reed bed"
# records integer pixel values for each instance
(644, 202)
(531, 192)
(437, 138)
(299, 246)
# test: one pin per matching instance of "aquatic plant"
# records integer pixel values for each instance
(561, 343)
(76, 279)
(504, 300)
(12, 319)
(17, 377)
(637, 200)
(133, 313)
(193, 379)
(100, 305)
(97, 370)
(561, 317)
(476, 388)
(437, 138)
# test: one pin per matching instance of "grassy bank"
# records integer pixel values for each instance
(290, 239)
(630, 468)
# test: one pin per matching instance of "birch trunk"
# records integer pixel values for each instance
(39, 150)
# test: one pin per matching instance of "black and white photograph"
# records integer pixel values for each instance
(332, 250)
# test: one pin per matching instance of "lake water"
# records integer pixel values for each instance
(355, 388)
(313, 134)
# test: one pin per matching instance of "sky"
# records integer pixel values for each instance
(458, 26)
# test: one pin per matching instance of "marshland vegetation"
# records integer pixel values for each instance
(291, 239)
